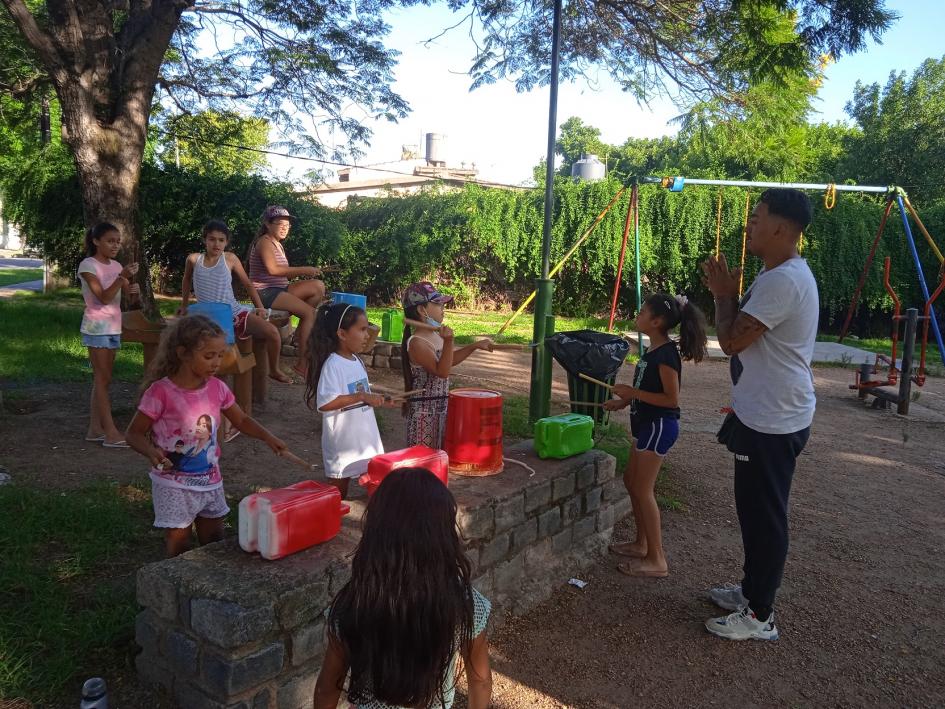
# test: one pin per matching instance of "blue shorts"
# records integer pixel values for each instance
(657, 436)
(268, 295)
(108, 342)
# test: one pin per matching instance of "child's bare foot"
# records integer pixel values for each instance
(301, 371)
(644, 568)
(632, 549)
(280, 376)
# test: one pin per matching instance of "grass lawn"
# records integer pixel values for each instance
(67, 589)
(9, 276)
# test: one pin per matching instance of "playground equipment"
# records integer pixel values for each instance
(865, 384)
(541, 375)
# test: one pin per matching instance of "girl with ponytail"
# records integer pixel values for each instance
(654, 419)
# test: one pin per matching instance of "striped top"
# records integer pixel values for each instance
(215, 284)
(258, 274)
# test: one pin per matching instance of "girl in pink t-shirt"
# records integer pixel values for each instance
(103, 279)
(176, 428)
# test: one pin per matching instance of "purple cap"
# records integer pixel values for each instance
(275, 212)
(423, 293)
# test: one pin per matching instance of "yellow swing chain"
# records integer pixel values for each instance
(718, 226)
(830, 196)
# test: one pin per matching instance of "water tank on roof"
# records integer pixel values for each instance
(588, 168)
(436, 149)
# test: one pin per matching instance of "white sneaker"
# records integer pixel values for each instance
(729, 597)
(743, 625)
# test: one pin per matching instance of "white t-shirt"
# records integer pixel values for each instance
(775, 392)
(349, 438)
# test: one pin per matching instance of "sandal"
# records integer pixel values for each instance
(96, 439)
(116, 444)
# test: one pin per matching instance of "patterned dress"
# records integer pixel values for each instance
(426, 420)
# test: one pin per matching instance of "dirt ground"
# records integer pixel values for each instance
(860, 610)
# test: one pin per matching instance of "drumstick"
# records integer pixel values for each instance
(421, 325)
(293, 458)
(598, 382)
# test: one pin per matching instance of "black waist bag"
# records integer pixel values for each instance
(728, 431)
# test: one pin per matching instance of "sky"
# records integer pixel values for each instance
(505, 133)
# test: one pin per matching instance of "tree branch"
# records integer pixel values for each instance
(40, 41)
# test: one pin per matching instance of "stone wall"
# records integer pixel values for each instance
(224, 629)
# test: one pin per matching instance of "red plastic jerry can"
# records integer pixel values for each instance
(281, 522)
(380, 466)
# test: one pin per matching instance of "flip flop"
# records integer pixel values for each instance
(231, 434)
(614, 550)
(116, 444)
(95, 439)
(636, 572)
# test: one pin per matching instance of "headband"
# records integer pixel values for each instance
(341, 319)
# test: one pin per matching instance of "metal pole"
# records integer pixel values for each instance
(635, 198)
(540, 381)
(791, 185)
(918, 267)
(908, 350)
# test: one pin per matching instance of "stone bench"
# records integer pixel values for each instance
(224, 629)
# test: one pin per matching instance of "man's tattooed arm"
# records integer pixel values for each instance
(735, 330)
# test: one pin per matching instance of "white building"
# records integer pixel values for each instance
(405, 176)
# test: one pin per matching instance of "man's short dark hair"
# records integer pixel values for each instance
(789, 204)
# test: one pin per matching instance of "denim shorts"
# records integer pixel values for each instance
(657, 435)
(269, 295)
(108, 342)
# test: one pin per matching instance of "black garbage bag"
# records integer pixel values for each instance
(596, 354)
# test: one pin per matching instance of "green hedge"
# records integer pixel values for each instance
(482, 243)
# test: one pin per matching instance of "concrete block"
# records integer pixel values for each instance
(148, 632)
(549, 522)
(476, 522)
(181, 653)
(614, 490)
(383, 350)
(585, 476)
(380, 362)
(592, 499)
(540, 560)
(396, 363)
(508, 576)
(494, 551)
(187, 695)
(605, 519)
(622, 508)
(562, 487)
(155, 591)
(298, 692)
(606, 469)
(228, 624)
(570, 511)
(509, 513)
(303, 604)
(524, 534)
(226, 677)
(153, 671)
(584, 527)
(561, 542)
(538, 496)
(308, 642)
(263, 699)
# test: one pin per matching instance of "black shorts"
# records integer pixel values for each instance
(269, 295)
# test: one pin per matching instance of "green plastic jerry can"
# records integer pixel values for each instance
(392, 325)
(564, 435)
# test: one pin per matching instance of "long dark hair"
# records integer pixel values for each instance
(187, 332)
(329, 318)
(97, 232)
(691, 321)
(408, 607)
(412, 314)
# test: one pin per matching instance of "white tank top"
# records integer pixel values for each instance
(215, 284)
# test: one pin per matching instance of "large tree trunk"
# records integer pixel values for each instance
(105, 78)
(108, 162)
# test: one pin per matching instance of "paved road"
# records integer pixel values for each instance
(21, 263)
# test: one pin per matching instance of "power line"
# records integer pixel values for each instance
(308, 158)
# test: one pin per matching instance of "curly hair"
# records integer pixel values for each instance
(187, 332)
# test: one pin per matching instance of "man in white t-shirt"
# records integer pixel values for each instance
(770, 336)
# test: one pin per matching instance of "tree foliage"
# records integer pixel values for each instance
(214, 142)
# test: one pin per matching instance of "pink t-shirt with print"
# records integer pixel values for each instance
(100, 318)
(185, 427)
